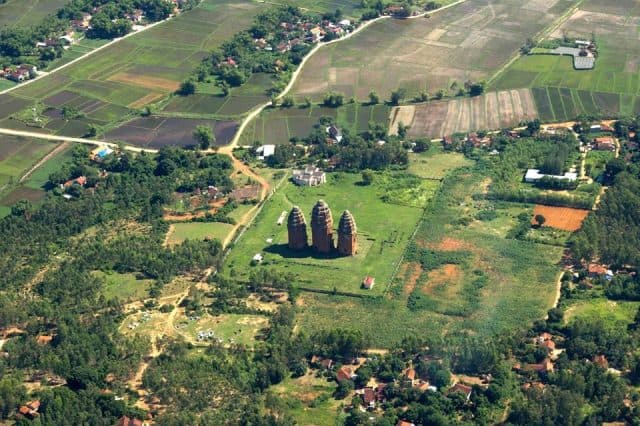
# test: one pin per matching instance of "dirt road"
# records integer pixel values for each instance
(44, 159)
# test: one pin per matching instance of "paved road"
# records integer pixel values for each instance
(56, 138)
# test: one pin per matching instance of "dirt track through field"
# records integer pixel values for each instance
(44, 159)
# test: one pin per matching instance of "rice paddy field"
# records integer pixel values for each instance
(27, 12)
(279, 125)
(612, 88)
(470, 41)
(492, 111)
(109, 87)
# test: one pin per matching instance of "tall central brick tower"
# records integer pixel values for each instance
(347, 235)
(297, 229)
(322, 228)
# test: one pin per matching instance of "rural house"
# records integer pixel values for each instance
(604, 143)
(343, 374)
(309, 176)
(534, 175)
(334, 133)
(461, 388)
(368, 282)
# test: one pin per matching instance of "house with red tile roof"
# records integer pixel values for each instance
(343, 374)
(461, 388)
(368, 282)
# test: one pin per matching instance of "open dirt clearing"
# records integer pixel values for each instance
(563, 218)
(488, 112)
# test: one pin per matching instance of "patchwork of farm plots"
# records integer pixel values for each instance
(611, 88)
(494, 110)
(132, 73)
(467, 42)
(27, 12)
(279, 125)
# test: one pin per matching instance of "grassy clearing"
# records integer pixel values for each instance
(309, 399)
(199, 231)
(381, 242)
(596, 162)
(473, 277)
(230, 328)
(436, 164)
(614, 313)
(123, 286)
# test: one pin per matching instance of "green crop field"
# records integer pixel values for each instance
(470, 41)
(435, 163)
(381, 241)
(18, 154)
(611, 88)
(614, 313)
(27, 12)
(279, 125)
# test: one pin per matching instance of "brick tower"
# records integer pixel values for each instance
(297, 229)
(322, 228)
(347, 235)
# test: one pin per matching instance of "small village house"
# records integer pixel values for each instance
(343, 374)
(309, 176)
(534, 175)
(463, 389)
(368, 282)
(604, 143)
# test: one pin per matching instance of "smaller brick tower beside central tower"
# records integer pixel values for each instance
(347, 235)
(322, 228)
(297, 229)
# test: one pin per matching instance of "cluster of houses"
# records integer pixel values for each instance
(584, 54)
(373, 393)
(309, 176)
(20, 73)
(292, 34)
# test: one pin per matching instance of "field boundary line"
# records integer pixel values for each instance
(55, 151)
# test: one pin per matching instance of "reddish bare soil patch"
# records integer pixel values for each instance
(564, 218)
(446, 274)
(213, 207)
(413, 271)
(451, 244)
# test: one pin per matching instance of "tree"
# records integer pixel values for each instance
(307, 102)
(402, 129)
(333, 99)
(367, 177)
(92, 130)
(22, 208)
(476, 89)
(343, 389)
(204, 136)
(397, 96)
(187, 87)
(421, 145)
(540, 220)
(288, 102)
(374, 98)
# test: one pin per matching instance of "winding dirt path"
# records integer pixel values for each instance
(44, 159)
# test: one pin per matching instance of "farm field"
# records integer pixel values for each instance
(427, 53)
(461, 274)
(615, 313)
(27, 12)
(18, 154)
(132, 73)
(279, 125)
(611, 88)
(380, 242)
(158, 131)
(563, 218)
(492, 111)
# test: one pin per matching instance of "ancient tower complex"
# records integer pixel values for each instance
(322, 228)
(347, 235)
(297, 229)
